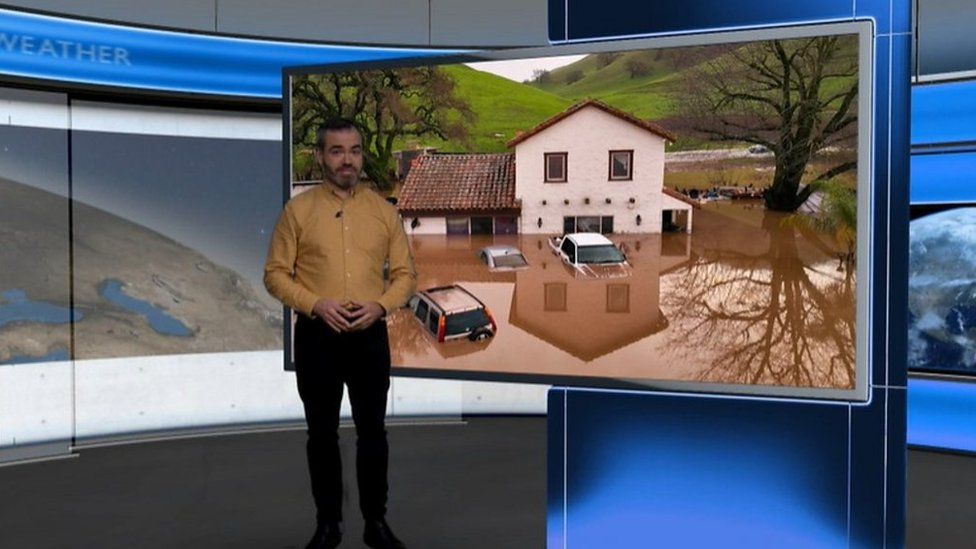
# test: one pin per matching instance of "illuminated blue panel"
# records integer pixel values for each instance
(589, 19)
(942, 414)
(944, 113)
(685, 471)
(65, 50)
(943, 178)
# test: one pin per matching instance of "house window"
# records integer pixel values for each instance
(555, 297)
(506, 225)
(556, 167)
(457, 225)
(569, 225)
(621, 165)
(481, 225)
(618, 298)
(588, 224)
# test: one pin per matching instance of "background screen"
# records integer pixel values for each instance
(630, 215)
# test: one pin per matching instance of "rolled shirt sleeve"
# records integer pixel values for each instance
(403, 276)
(279, 267)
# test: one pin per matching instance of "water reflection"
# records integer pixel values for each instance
(772, 310)
(742, 300)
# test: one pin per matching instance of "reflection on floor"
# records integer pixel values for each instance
(745, 299)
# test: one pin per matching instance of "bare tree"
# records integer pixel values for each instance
(795, 97)
(541, 76)
(388, 106)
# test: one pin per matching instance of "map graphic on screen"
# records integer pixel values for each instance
(682, 214)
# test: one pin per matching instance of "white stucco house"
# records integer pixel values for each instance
(590, 168)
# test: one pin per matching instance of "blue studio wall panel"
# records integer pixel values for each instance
(683, 470)
(589, 19)
(943, 177)
(84, 52)
(705, 472)
(942, 414)
(943, 113)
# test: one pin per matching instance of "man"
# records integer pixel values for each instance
(326, 261)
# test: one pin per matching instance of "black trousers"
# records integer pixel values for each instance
(325, 360)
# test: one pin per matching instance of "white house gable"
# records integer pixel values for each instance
(587, 138)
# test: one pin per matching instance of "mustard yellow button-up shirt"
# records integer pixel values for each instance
(324, 246)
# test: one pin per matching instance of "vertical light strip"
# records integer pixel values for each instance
(887, 364)
(565, 461)
(71, 279)
(850, 467)
(566, 20)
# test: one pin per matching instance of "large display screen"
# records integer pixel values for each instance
(681, 213)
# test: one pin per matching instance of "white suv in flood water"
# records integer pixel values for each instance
(591, 255)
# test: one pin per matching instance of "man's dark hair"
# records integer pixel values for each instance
(336, 124)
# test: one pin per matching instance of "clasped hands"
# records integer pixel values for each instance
(348, 316)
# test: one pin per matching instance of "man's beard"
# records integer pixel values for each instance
(344, 181)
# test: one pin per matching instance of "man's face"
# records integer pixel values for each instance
(341, 157)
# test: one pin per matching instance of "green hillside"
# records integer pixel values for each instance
(640, 82)
(502, 108)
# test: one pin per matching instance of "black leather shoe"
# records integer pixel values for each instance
(328, 535)
(378, 535)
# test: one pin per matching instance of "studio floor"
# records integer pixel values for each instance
(472, 484)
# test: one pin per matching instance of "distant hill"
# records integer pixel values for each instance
(647, 84)
(505, 107)
(639, 82)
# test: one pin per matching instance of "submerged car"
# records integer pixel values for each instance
(452, 312)
(591, 255)
(503, 258)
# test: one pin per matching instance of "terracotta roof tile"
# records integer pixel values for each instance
(459, 183)
(649, 126)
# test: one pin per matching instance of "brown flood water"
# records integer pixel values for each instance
(741, 300)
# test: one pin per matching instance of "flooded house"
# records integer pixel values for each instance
(589, 168)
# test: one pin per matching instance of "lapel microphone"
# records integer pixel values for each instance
(338, 214)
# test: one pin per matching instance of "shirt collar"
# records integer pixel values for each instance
(333, 190)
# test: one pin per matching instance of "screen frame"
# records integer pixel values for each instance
(866, 31)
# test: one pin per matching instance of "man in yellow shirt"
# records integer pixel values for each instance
(326, 261)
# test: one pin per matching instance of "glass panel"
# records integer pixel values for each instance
(171, 233)
(587, 224)
(435, 318)
(36, 368)
(556, 167)
(606, 224)
(457, 225)
(460, 323)
(422, 309)
(620, 165)
(481, 225)
(506, 225)
(569, 225)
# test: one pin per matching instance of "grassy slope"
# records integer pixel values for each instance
(503, 107)
(644, 96)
